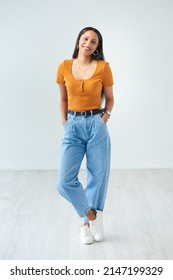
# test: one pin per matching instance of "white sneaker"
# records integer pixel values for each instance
(86, 235)
(96, 227)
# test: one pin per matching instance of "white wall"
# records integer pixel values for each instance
(36, 35)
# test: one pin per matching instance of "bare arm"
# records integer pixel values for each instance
(63, 102)
(108, 91)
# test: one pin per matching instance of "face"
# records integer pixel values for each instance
(88, 42)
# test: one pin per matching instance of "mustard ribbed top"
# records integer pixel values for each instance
(84, 95)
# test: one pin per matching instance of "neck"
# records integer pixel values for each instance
(84, 59)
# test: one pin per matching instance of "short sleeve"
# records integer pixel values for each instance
(60, 74)
(107, 76)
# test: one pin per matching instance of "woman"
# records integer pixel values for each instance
(83, 80)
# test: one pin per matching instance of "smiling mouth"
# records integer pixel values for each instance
(86, 49)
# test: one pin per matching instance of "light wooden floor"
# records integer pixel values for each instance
(36, 223)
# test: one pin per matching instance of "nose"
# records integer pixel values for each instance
(88, 43)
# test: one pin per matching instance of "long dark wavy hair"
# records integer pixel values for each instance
(100, 55)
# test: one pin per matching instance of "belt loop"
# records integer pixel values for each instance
(74, 114)
(91, 111)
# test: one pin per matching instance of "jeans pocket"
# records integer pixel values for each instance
(65, 123)
(100, 117)
(68, 121)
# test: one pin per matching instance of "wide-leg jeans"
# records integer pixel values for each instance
(84, 136)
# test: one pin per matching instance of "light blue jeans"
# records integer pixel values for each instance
(84, 136)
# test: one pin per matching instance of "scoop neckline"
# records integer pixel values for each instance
(82, 79)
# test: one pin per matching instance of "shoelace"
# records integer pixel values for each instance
(94, 227)
(87, 230)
